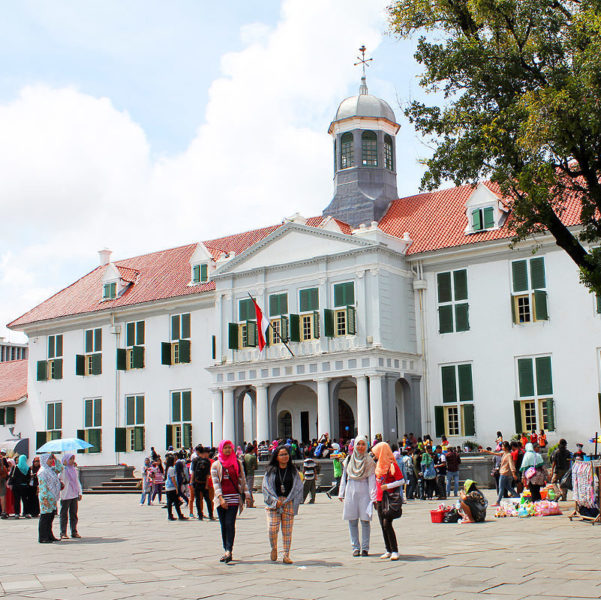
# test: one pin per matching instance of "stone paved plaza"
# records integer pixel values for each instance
(130, 551)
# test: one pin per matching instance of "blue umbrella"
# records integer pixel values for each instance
(64, 445)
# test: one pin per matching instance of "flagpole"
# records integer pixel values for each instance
(274, 330)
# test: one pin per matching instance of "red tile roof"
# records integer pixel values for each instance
(13, 380)
(437, 220)
(156, 276)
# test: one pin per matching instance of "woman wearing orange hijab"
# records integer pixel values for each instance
(388, 477)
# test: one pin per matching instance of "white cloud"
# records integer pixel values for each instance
(77, 174)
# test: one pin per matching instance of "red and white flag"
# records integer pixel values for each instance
(262, 326)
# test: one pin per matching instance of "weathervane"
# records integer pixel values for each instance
(362, 60)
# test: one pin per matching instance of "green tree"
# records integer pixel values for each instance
(522, 86)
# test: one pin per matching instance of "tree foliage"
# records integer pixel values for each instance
(522, 83)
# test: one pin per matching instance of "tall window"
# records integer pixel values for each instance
(132, 357)
(309, 318)
(278, 309)
(456, 415)
(179, 432)
(52, 368)
(90, 363)
(453, 308)
(535, 408)
(529, 296)
(54, 420)
(342, 320)
(388, 153)
(93, 424)
(369, 149)
(347, 158)
(180, 339)
(134, 422)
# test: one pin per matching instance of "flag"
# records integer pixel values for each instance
(262, 326)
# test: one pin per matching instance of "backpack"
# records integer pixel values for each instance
(202, 466)
(430, 471)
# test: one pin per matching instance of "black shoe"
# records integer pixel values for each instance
(356, 553)
(182, 518)
(3, 516)
(222, 559)
(364, 553)
(171, 519)
(213, 518)
(228, 558)
(201, 518)
(45, 541)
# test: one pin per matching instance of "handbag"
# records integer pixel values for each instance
(392, 504)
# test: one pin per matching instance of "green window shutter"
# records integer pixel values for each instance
(514, 316)
(186, 406)
(140, 327)
(445, 319)
(344, 294)
(11, 415)
(204, 272)
(550, 414)
(138, 439)
(50, 416)
(186, 326)
(233, 343)
(285, 328)
(294, 328)
(130, 334)
(58, 415)
(251, 334)
(439, 421)
(274, 305)
(462, 320)
(80, 364)
(517, 413)
(489, 217)
(120, 439)
(466, 389)
(196, 274)
(58, 368)
(537, 273)
(213, 347)
(544, 379)
(525, 377)
(50, 346)
(176, 407)
(81, 435)
(246, 310)
(58, 345)
(42, 370)
(316, 329)
(2, 416)
(449, 383)
(469, 422)
(97, 340)
(519, 275)
(540, 306)
(139, 410)
(88, 418)
(165, 353)
(40, 439)
(187, 435)
(309, 300)
(460, 284)
(328, 322)
(98, 412)
(130, 410)
(445, 293)
(138, 356)
(476, 220)
(95, 438)
(598, 304)
(89, 341)
(96, 364)
(351, 320)
(168, 436)
(184, 351)
(113, 290)
(175, 328)
(121, 359)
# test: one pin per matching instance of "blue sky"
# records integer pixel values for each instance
(141, 125)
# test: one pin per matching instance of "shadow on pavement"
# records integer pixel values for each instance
(418, 557)
(96, 540)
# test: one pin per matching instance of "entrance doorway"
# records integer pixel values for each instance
(346, 421)
(305, 426)
(285, 425)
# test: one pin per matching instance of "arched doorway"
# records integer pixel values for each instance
(285, 425)
(346, 420)
(299, 400)
(245, 415)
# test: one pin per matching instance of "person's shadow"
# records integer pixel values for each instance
(97, 540)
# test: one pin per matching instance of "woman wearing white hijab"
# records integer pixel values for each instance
(358, 492)
(49, 488)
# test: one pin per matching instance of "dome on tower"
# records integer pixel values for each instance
(364, 105)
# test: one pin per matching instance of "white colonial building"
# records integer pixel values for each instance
(401, 315)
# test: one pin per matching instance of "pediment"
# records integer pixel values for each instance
(292, 243)
(480, 196)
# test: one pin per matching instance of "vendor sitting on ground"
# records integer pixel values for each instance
(473, 503)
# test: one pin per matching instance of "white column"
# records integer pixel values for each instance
(229, 427)
(262, 412)
(217, 416)
(323, 407)
(362, 407)
(375, 405)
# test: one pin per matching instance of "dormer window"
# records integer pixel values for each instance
(200, 273)
(109, 291)
(483, 218)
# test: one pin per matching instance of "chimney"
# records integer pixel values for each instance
(105, 256)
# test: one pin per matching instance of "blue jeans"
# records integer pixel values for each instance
(453, 476)
(353, 526)
(227, 519)
(146, 493)
(505, 484)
